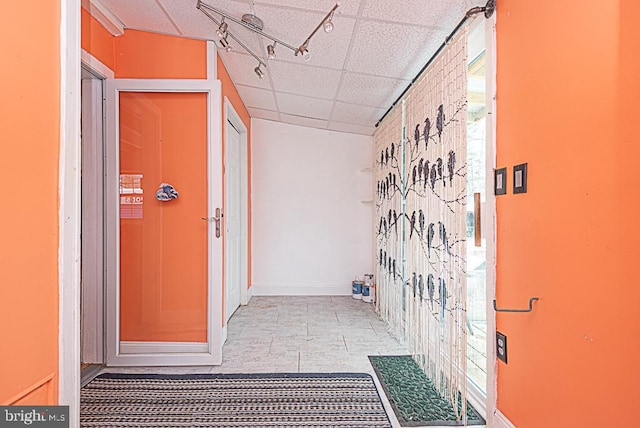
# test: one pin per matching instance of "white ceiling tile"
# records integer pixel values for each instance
(356, 114)
(353, 129)
(432, 13)
(141, 15)
(294, 26)
(263, 114)
(347, 7)
(304, 106)
(303, 121)
(304, 80)
(392, 50)
(373, 91)
(256, 97)
(241, 68)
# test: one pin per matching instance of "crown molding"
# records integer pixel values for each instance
(104, 16)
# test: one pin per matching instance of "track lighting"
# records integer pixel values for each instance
(259, 72)
(327, 25)
(271, 52)
(222, 29)
(255, 24)
(225, 44)
(304, 50)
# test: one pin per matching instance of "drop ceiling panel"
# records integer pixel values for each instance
(392, 50)
(347, 7)
(263, 114)
(256, 97)
(294, 26)
(141, 15)
(426, 13)
(373, 91)
(304, 106)
(355, 72)
(240, 67)
(353, 129)
(356, 114)
(326, 49)
(304, 80)
(303, 121)
(193, 22)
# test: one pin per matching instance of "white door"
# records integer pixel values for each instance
(92, 278)
(164, 245)
(233, 219)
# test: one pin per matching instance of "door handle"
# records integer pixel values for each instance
(217, 219)
(476, 219)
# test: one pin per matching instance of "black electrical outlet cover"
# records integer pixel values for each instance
(501, 346)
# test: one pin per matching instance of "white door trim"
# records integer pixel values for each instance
(213, 354)
(92, 231)
(490, 217)
(231, 115)
(69, 211)
(96, 66)
(501, 421)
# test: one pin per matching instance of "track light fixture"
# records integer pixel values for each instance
(222, 29)
(255, 24)
(271, 51)
(225, 44)
(327, 25)
(304, 51)
(259, 72)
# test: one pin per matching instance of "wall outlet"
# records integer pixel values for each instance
(501, 346)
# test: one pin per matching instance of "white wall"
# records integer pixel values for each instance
(311, 233)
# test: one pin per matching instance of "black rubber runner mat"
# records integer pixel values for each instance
(414, 399)
(233, 400)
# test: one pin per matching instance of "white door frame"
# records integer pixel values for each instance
(231, 115)
(69, 211)
(164, 353)
(92, 213)
(486, 403)
(491, 222)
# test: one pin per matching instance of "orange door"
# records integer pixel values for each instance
(163, 239)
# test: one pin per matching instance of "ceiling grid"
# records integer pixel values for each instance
(355, 72)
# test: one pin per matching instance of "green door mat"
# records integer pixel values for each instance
(414, 399)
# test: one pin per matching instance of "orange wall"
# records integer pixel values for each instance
(229, 90)
(30, 129)
(144, 55)
(567, 101)
(97, 40)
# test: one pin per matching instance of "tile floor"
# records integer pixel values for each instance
(305, 334)
(300, 334)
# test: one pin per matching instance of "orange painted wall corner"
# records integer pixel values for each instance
(96, 40)
(145, 55)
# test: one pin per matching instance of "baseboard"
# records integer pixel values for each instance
(301, 289)
(501, 421)
(247, 296)
(163, 347)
